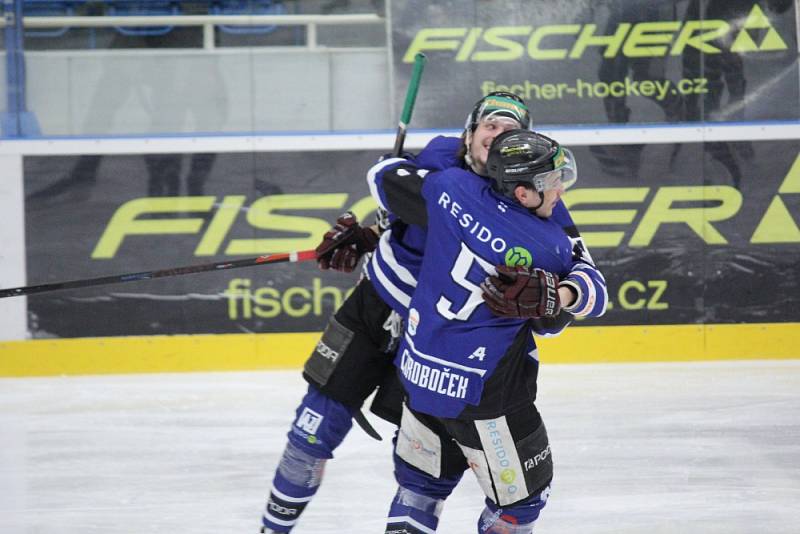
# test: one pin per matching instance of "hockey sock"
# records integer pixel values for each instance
(296, 481)
(320, 425)
(413, 513)
(419, 499)
(517, 518)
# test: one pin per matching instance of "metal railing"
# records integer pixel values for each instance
(207, 22)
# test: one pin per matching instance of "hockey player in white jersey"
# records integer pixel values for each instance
(493, 259)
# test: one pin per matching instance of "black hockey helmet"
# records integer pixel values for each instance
(531, 159)
(499, 104)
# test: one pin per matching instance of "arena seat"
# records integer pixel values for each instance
(49, 8)
(247, 7)
(142, 8)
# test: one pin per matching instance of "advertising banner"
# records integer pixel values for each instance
(602, 61)
(684, 233)
(90, 216)
(695, 232)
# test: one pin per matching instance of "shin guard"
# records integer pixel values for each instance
(320, 425)
(517, 518)
(419, 500)
(296, 481)
(412, 513)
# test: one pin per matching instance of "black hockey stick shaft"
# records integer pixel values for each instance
(408, 107)
(283, 257)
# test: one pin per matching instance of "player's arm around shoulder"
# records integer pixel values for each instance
(387, 167)
(406, 189)
(440, 153)
(393, 179)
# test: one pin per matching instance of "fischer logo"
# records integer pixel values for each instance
(653, 207)
(555, 42)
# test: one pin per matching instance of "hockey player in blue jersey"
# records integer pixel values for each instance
(354, 354)
(493, 259)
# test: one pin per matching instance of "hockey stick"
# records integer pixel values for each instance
(408, 107)
(383, 215)
(283, 257)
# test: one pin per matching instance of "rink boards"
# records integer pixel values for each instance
(239, 352)
(695, 228)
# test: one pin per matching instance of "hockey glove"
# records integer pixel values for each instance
(522, 292)
(344, 244)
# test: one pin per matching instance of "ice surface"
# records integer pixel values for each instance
(640, 448)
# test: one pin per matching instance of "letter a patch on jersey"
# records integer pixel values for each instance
(480, 354)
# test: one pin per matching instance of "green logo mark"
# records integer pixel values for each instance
(508, 476)
(518, 257)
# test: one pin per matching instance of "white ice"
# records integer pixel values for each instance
(638, 448)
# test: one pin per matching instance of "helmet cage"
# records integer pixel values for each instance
(520, 157)
(563, 176)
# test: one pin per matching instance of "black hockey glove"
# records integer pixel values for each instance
(522, 292)
(344, 244)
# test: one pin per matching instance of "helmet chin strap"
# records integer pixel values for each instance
(541, 201)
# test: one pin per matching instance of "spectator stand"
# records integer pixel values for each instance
(159, 18)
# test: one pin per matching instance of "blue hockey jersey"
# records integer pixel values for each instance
(394, 267)
(456, 358)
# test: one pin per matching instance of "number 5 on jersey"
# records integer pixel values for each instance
(459, 273)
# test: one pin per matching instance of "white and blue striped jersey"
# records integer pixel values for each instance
(395, 264)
